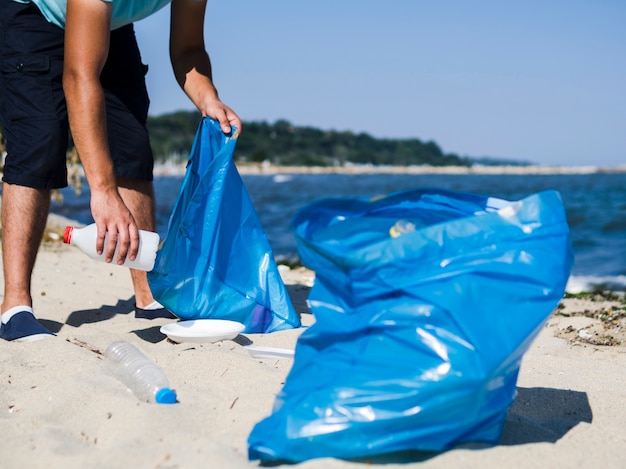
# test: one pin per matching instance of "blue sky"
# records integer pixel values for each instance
(540, 81)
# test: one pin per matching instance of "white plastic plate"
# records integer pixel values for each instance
(269, 352)
(202, 330)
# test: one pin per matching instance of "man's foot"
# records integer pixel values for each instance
(153, 311)
(19, 324)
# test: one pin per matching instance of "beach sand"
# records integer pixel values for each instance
(59, 408)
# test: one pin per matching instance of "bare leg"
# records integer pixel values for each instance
(24, 217)
(139, 198)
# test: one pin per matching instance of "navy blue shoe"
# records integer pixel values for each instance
(20, 324)
(160, 312)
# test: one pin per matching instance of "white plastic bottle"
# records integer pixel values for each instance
(143, 377)
(85, 239)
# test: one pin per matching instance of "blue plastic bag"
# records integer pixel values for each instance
(418, 336)
(216, 261)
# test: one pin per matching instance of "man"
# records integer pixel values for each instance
(78, 59)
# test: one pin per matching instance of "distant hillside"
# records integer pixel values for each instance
(284, 144)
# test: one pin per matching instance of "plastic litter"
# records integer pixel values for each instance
(85, 239)
(144, 378)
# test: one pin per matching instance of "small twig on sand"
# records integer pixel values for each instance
(85, 345)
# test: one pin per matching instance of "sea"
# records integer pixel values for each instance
(595, 205)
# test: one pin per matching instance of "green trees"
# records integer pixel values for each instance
(284, 144)
(172, 134)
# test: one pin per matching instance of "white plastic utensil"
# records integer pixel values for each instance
(269, 352)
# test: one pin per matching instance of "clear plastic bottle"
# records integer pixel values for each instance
(143, 377)
(85, 239)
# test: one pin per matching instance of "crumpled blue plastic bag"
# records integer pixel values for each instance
(418, 338)
(215, 261)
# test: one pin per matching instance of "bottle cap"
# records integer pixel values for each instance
(165, 396)
(67, 235)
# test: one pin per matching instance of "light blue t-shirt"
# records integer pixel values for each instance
(124, 11)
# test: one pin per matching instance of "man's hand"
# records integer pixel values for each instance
(114, 221)
(221, 113)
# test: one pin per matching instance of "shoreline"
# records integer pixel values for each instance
(266, 168)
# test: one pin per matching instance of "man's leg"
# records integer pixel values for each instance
(139, 198)
(24, 216)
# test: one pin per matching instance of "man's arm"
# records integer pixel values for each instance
(191, 63)
(87, 33)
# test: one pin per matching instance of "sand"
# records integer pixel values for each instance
(59, 408)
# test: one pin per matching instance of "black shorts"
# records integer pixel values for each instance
(32, 104)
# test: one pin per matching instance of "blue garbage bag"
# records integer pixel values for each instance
(216, 261)
(420, 326)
